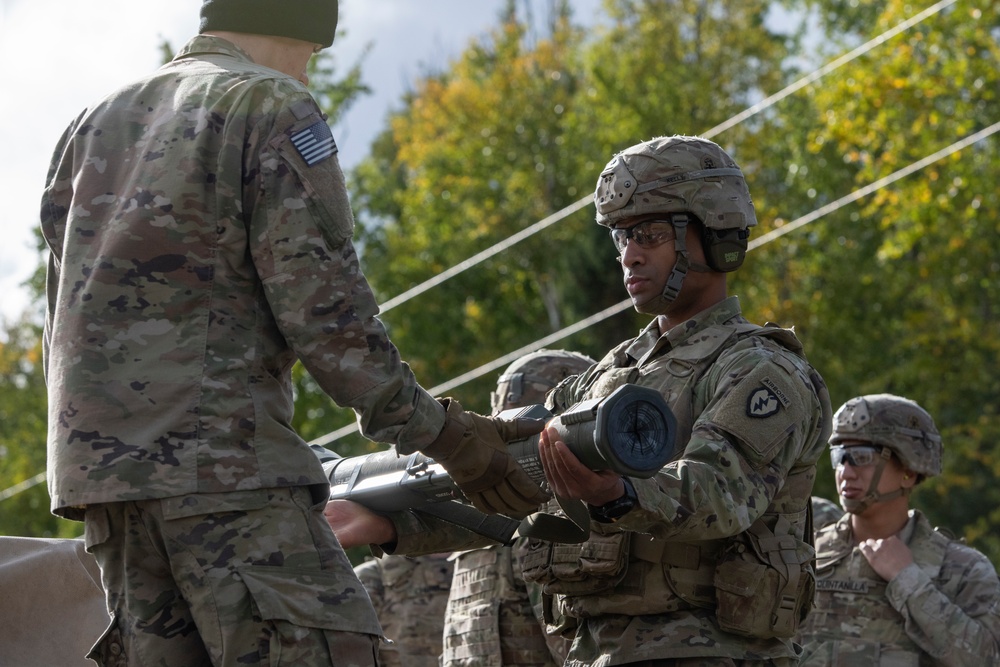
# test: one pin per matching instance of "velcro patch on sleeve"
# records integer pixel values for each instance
(762, 410)
(315, 143)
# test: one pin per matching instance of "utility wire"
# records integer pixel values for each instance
(829, 67)
(732, 122)
(22, 486)
(877, 185)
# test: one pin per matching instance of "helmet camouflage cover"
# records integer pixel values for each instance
(527, 380)
(677, 174)
(894, 422)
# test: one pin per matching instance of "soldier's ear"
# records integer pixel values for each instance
(910, 478)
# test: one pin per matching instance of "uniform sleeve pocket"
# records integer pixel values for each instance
(323, 191)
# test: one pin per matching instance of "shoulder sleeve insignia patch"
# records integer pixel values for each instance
(762, 402)
(315, 143)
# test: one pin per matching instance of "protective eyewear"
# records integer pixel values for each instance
(648, 234)
(859, 456)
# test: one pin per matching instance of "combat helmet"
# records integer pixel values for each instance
(681, 177)
(894, 422)
(527, 380)
(897, 424)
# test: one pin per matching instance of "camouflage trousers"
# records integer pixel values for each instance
(249, 578)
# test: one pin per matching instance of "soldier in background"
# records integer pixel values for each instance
(483, 614)
(825, 512)
(891, 589)
(491, 618)
(409, 596)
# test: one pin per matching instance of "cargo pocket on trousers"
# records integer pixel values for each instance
(293, 599)
(311, 598)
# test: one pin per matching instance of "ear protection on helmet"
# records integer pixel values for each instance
(725, 249)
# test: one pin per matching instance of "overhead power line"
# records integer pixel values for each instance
(498, 363)
(732, 122)
(22, 486)
(877, 185)
(829, 67)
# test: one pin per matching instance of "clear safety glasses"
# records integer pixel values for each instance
(648, 234)
(859, 456)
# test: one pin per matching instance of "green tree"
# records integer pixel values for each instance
(476, 154)
(22, 435)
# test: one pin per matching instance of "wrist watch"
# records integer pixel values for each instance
(612, 511)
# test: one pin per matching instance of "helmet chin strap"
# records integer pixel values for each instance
(658, 304)
(872, 496)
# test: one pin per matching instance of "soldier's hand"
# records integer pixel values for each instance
(355, 525)
(473, 450)
(569, 478)
(887, 556)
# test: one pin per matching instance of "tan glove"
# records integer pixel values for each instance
(473, 450)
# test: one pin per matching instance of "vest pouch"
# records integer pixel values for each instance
(595, 566)
(764, 584)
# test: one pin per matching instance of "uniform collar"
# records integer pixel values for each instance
(209, 44)
(650, 341)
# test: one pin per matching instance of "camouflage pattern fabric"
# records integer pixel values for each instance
(410, 596)
(51, 601)
(254, 578)
(491, 621)
(196, 250)
(944, 609)
(825, 512)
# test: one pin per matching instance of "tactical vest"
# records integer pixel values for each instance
(852, 622)
(490, 621)
(636, 574)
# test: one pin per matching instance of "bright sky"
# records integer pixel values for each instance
(58, 56)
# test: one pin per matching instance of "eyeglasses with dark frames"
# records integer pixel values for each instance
(648, 234)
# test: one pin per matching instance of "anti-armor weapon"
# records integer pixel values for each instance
(631, 431)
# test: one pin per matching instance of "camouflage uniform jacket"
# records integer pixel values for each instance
(751, 427)
(944, 609)
(410, 596)
(200, 241)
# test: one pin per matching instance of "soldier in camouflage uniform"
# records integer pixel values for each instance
(200, 241)
(708, 562)
(892, 590)
(491, 619)
(409, 595)
(825, 512)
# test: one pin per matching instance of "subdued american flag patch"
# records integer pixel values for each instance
(315, 143)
